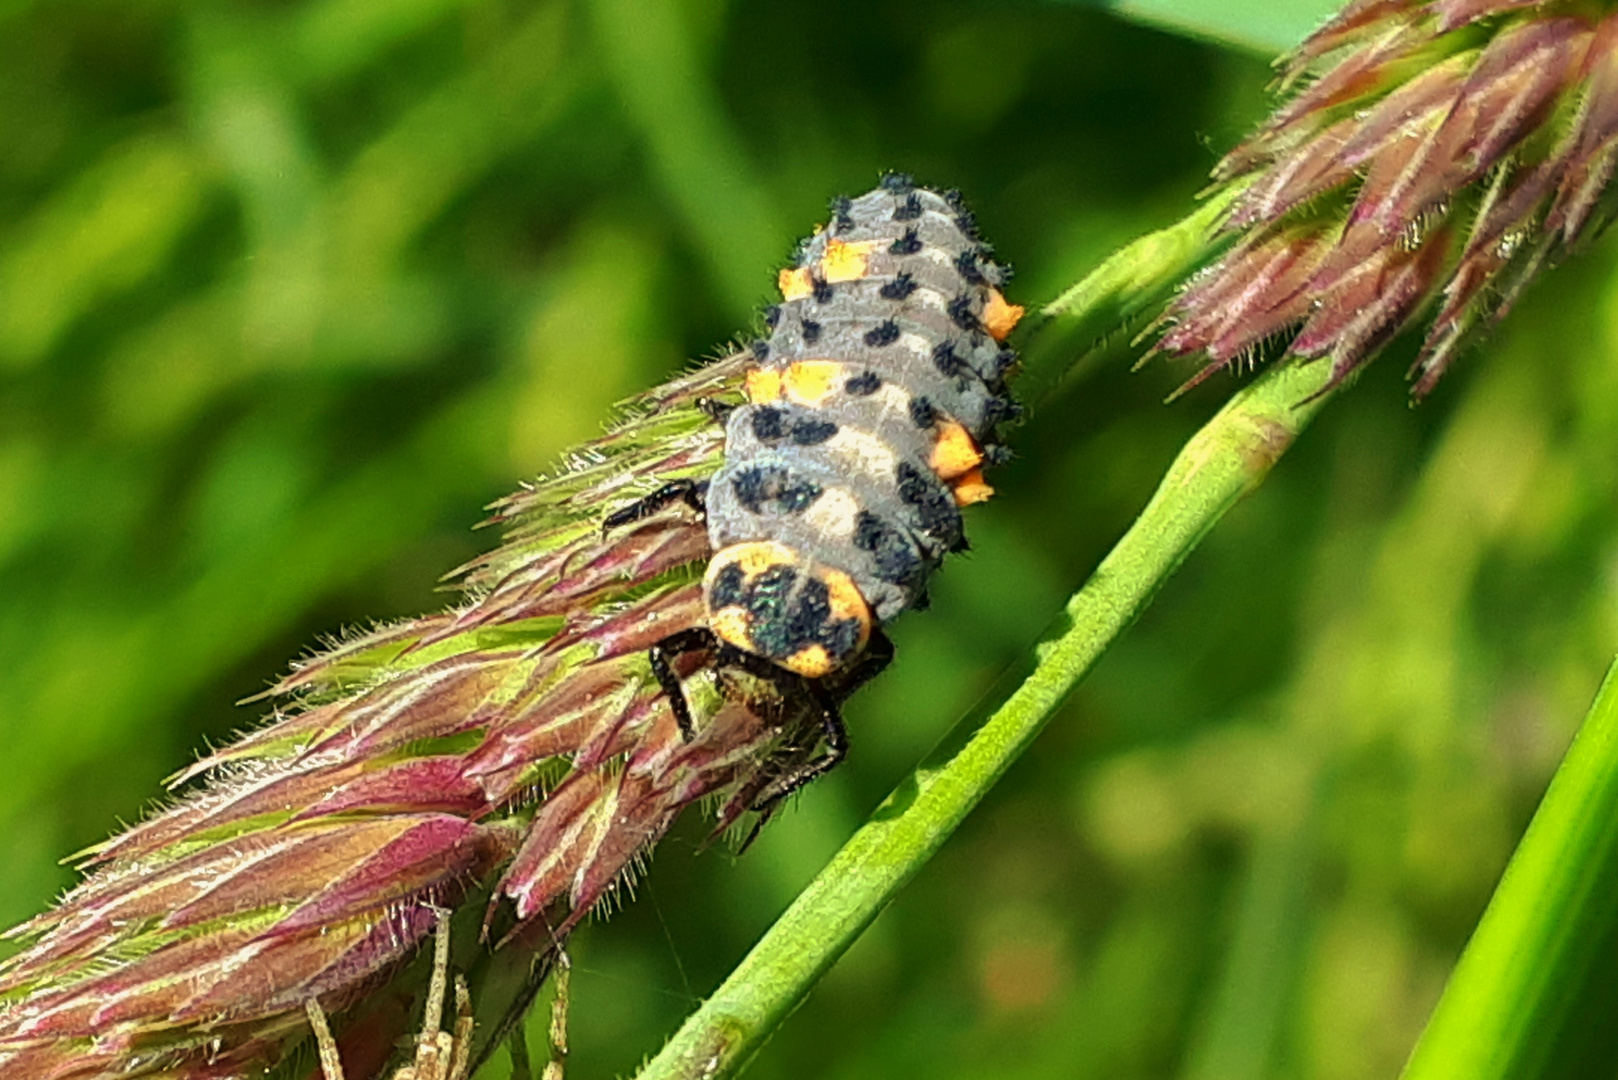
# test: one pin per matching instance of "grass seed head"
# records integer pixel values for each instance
(1431, 156)
(513, 753)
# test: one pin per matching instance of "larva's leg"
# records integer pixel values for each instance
(836, 736)
(872, 662)
(716, 410)
(662, 656)
(691, 492)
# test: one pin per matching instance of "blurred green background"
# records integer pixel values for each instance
(289, 290)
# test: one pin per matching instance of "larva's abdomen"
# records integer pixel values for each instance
(865, 430)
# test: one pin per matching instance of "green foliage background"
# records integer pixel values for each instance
(288, 290)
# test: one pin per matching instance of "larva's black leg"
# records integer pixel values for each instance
(872, 662)
(661, 656)
(836, 736)
(693, 493)
(754, 664)
(825, 693)
(715, 410)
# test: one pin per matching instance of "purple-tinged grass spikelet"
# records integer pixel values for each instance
(514, 752)
(1434, 155)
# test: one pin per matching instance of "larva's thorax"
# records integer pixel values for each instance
(869, 417)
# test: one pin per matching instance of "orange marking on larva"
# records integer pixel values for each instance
(971, 489)
(999, 317)
(955, 453)
(846, 601)
(762, 385)
(731, 626)
(754, 557)
(846, 261)
(794, 284)
(809, 382)
(811, 661)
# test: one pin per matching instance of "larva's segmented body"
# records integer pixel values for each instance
(868, 419)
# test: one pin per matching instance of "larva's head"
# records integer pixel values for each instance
(765, 598)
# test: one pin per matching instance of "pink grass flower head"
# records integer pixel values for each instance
(513, 757)
(1433, 156)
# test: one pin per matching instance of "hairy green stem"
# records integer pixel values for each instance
(1229, 457)
(1532, 995)
(1134, 280)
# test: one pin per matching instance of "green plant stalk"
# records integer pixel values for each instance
(1509, 1007)
(1229, 457)
(1134, 280)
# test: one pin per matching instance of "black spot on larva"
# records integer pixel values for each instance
(908, 244)
(810, 331)
(913, 486)
(841, 637)
(864, 384)
(772, 487)
(823, 291)
(1004, 360)
(966, 264)
(900, 287)
(897, 182)
(760, 350)
(967, 222)
(946, 360)
(935, 507)
(1002, 410)
(954, 199)
(840, 217)
(909, 209)
(895, 556)
(996, 411)
(960, 309)
(922, 412)
(812, 431)
(997, 454)
(765, 601)
(772, 315)
(786, 617)
(767, 426)
(727, 587)
(778, 617)
(883, 333)
(807, 620)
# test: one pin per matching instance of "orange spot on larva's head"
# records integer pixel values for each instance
(955, 453)
(846, 261)
(762, 385)
(811, 661)
(971, 489)
(999, 317)
(732, 626)
(753, 556)
(794, 283)
(845, 599)
(809, 382)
